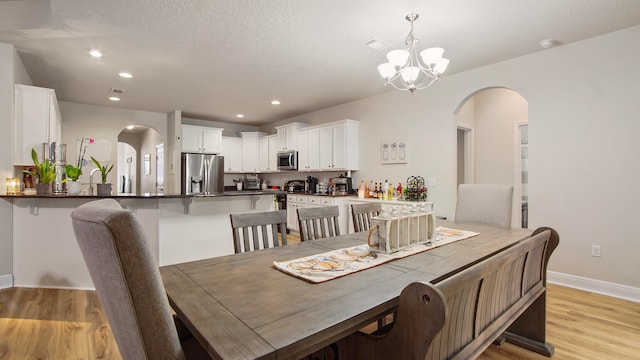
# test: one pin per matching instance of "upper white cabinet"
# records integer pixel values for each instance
(332, 146)
(232, 152)
(288, 136)
(309, 149)
(268, 148)
(37, 120)
(201, 139)
(251, 151)
(343, 137)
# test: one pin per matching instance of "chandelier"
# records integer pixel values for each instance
(405, 71)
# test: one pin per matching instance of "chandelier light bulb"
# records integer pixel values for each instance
(431, 55)
(409, 70)
(387, 70)
(398, 57)
(441, 65)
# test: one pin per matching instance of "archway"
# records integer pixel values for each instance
(137, 168)
(491, 125)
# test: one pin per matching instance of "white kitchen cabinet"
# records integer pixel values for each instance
(268, 149)
(309, 149)
(36, 120)
(232, 152)
(295, 202)
(287, 136)
(332, 146)
(341, 137)
(251, 151)
(201, 139)
(292, 212)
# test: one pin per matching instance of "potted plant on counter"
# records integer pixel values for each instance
(45, 173)
(74, 172)
(104, 188)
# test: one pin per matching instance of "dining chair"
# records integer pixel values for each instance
(249, 228)
(485, 204)
(362, 214)
(128, 283)
(318, 222)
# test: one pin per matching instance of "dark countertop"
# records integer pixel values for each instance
(146, 195)
(317, 194)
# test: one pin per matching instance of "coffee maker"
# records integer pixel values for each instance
(311, 185)
(342, 185)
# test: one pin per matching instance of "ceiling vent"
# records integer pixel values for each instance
(117, 91)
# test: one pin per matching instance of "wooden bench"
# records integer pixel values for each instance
(502, 297)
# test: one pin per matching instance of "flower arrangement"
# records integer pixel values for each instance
(74, 172)
(46, 171)
(104, 170)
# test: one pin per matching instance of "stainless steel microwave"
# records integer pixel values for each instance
(288, 160)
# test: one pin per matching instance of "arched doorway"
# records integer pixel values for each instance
(137, 160)
(492, 124)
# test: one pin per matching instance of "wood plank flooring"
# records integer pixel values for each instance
(49, 324)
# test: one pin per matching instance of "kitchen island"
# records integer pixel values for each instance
(179, 228)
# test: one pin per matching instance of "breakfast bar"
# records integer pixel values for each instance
(179, 228)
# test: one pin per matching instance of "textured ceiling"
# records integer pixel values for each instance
(214, 59)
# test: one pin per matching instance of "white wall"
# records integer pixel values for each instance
(583, 124)
(150, 138)
(12, 72)
(496, 112)
(6, 166)
(104, 123)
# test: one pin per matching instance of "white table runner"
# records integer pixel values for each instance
(341, 262)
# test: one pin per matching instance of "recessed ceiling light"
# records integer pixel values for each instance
(239, 116)
(548, 43)
(130, 127)
(125, 75)
(275, 102)
(95, 53)
(114, 98)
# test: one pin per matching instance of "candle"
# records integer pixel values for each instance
(13, 186)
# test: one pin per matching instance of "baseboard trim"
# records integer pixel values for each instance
(6, 281)
(596, 286)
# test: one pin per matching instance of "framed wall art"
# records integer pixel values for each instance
(394, 152)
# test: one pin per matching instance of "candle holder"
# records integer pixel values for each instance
(13, 186)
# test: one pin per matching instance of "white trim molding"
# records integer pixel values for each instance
(596, 286)
(6, 281)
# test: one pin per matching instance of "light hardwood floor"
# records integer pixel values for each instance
(48, 324)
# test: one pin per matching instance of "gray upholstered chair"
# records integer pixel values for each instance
(485, 203)
(249, 228)
(128, 284)
(362, 214)
(318, 222)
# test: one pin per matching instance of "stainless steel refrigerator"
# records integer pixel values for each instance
(202, 174)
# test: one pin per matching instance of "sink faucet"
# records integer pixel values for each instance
(91, 180)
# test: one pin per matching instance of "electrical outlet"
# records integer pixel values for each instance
(431, 182)
(595, 250)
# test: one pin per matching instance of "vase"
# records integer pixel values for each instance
(43, 189)
(239, 186)
(73, 187)
(104, 189)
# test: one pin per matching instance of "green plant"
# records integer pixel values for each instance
(46, 172)
(104, 170)
(74, 172)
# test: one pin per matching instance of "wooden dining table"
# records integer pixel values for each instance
(241, 307)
